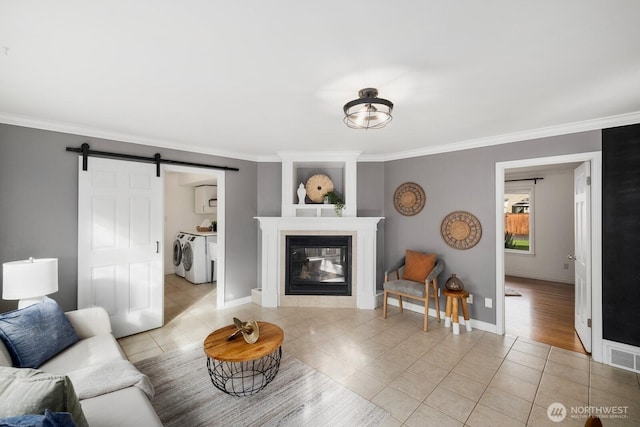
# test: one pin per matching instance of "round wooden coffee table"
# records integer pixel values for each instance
(242, 369)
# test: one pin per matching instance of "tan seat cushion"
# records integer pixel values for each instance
(418, 265)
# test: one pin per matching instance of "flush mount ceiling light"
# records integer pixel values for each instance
(368, 111)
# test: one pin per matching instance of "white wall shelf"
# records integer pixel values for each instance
(341, 163)
(315, 210)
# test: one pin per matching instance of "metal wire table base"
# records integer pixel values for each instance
(244, 378)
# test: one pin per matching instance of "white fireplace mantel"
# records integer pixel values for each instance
(274, 231)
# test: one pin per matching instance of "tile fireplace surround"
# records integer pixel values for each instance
(363, 231)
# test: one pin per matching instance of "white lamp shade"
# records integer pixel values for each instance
(29, 278)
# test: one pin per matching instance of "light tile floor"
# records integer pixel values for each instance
(435, 378)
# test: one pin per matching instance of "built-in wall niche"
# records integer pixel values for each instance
(335, 173)
(297, 168)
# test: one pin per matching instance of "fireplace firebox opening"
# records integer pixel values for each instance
(318, 265)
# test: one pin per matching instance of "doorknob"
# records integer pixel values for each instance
(572, 257)
(157, 247)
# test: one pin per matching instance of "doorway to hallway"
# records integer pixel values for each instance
(542, 311)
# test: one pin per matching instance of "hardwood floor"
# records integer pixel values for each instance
(544, 312)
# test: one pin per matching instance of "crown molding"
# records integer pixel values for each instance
(319, 155)
(122, 137)
(563, 129)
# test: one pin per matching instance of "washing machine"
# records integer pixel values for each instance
(178, 245)
(194, 259)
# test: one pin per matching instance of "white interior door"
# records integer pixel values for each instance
(582, 255)
(119, 243)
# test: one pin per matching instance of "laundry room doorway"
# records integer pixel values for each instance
(194, 236)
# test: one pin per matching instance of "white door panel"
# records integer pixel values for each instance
(119, 234)
(582, 255)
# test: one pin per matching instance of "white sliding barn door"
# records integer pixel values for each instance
(120, 243)
(582, 256)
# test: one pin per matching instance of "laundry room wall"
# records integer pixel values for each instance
(179, 195)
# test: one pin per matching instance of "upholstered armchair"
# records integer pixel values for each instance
(419, 281)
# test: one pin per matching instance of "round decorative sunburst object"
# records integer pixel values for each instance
(461, 230)
(318, 186)
(409, 199)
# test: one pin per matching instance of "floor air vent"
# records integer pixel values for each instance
(625, 359)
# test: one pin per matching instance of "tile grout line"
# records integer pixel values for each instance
(533, 403)
(422, 402)
(492, 377)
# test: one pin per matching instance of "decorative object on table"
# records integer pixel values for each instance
(409, 199)
(29, 280)
(368, 111)
(214, 225)
(454, 284)
(249, 330)
(302, 194)
(333, 198)
(461, 230)
(318, 186)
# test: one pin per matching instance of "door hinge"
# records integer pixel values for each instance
(588, 180)
(588, 323)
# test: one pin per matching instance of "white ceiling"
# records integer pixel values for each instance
(250, 78)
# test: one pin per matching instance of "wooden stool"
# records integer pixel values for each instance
(452, 310)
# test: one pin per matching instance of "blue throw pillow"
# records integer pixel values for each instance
(49, 419)
(36, 333)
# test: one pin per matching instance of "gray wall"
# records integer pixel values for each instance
(269, 189)
(463, 180)
(371, 203)
(38, 205)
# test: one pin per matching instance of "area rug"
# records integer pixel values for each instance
(511, 293)
(298, 396)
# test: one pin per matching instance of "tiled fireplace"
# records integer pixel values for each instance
(339, 268)
(274, 233)
(318, 265)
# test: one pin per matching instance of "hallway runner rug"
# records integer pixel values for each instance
(298, 396)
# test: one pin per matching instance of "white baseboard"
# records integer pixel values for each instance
(477, 324)
(237, 302)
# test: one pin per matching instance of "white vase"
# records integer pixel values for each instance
(302, 193)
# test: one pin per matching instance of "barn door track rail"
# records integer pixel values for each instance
(86, 152)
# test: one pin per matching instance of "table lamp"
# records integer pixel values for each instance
(29, 280)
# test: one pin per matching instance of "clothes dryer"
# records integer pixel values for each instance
(178, 245)
(194, 259)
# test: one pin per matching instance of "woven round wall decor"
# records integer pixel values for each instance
(317, 186)
(409, 199)
(461, 230)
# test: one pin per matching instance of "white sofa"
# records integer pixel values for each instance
(97, 346)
